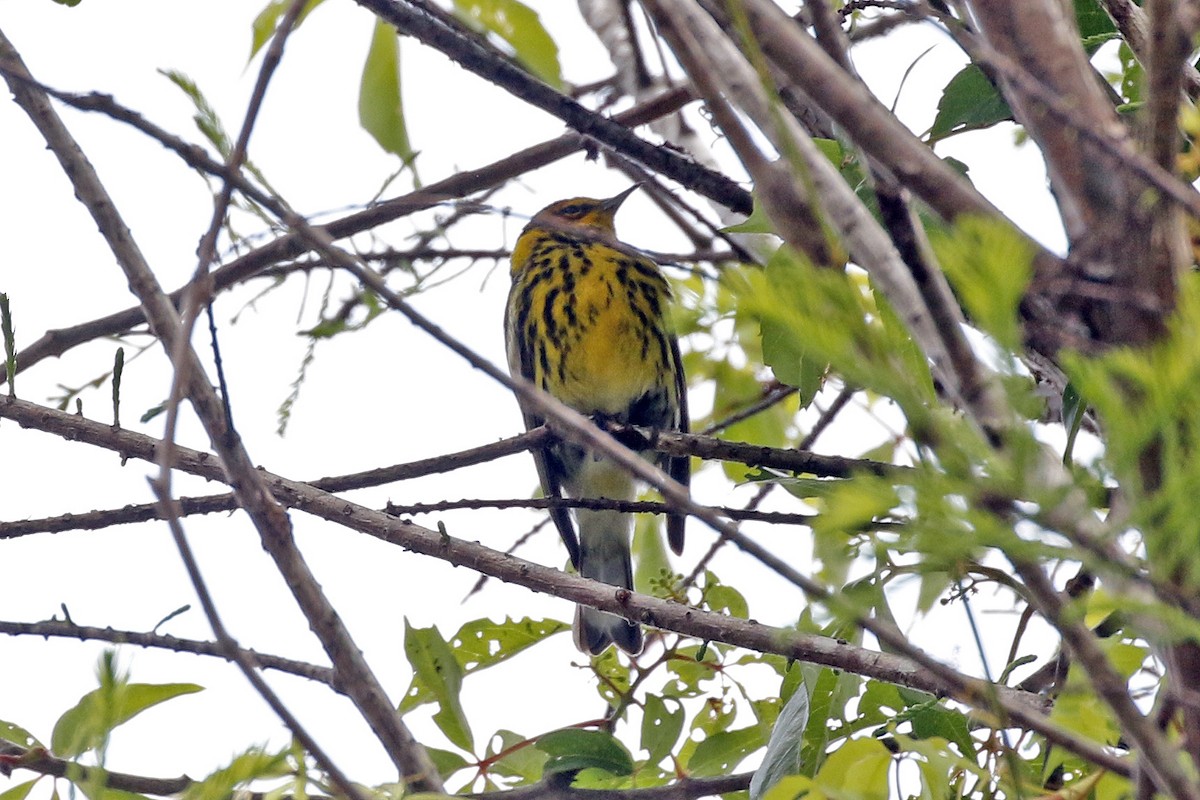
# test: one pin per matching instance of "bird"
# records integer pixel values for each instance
(586, 321)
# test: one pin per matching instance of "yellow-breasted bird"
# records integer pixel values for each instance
(586, 322)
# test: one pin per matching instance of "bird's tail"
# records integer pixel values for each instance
(604, 556)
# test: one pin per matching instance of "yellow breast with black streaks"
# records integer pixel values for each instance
(588, 320)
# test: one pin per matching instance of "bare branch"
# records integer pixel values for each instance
(69, 630)
(433, 32)
(56, 342)
(269, 518)
(915, 668)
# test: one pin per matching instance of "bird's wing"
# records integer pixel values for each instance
(520, 362)
(679, 467)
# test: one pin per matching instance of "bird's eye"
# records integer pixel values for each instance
(573, 210)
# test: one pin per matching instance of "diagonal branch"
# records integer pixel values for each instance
(57, 342)
(914, 668)
(269, 518)
(469, 54)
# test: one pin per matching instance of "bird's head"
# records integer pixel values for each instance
(583, 212)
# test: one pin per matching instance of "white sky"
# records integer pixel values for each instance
(384, 396)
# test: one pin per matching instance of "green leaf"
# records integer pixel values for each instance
(1092, 20)
(833, 318)
(206, 118)
(1073, 409)
(784, 355)
(691, 669)
(94, 789)
(1111, 786)
(721, 752)
(439, 673)
(970, 101)
(880, 702)
(254, 764)
(852, 504)
(86, 726)
(858, 769)
(571, 750)
(521, 28)
(784, 746)
(932, 719)
(725, 599)
(380, 108)
(990, 265)
(831, 691)
(267, 20)
(1132, 75)
(20, 791)
(661, 727)
(447, 761)
(483, 643)
(650, 555)
(832, 150)
(11, 732)
(757, 222)
(519, 759)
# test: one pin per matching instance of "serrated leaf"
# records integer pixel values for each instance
(521, 28)
(661, 727)
(783, 747)
(834, 320)
(87, 724)
(435, 667)
(969, 101)
(380, 108)
(572, 749)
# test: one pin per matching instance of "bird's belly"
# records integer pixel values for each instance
(611, 363)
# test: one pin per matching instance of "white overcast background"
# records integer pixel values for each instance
(379, 397)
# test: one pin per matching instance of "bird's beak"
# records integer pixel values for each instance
(613, 203)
